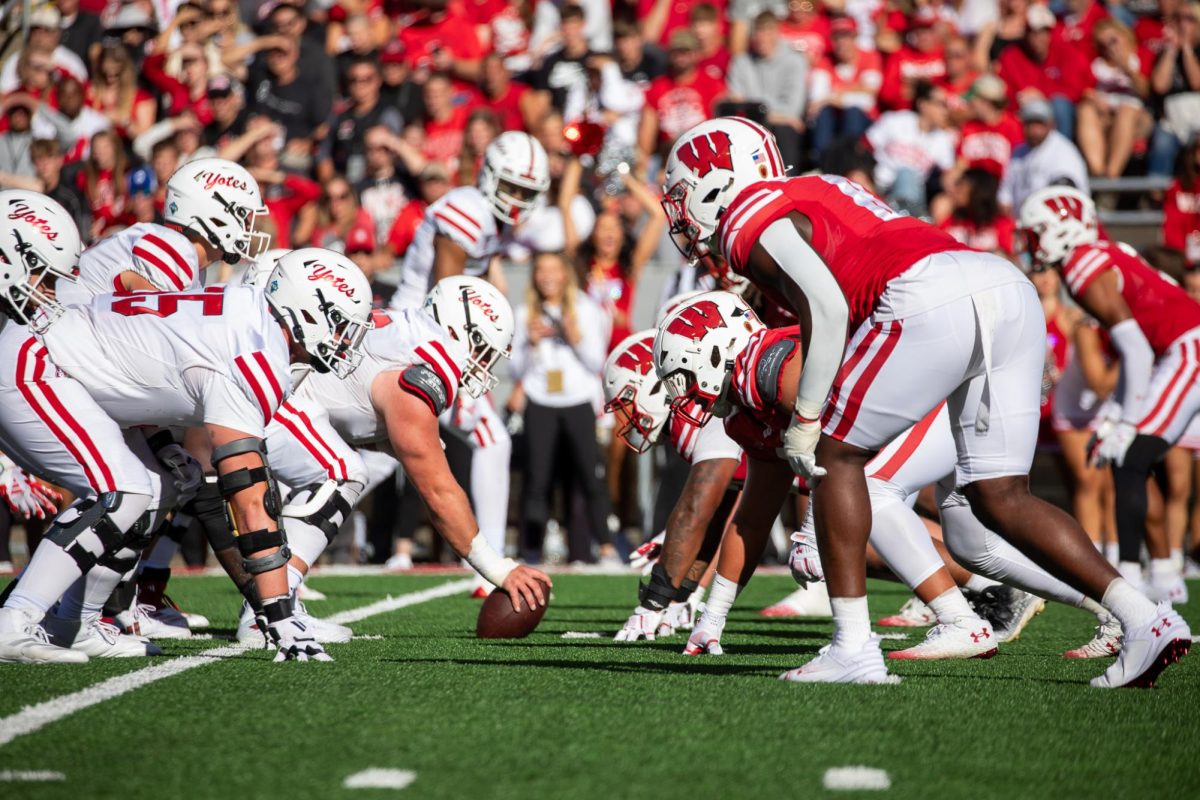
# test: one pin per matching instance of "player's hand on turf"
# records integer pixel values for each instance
(643, 623)
(295, 642)
(26, 496)
(647, 555)
(185, 470)
(804, 559)
(677, 617)
(706, 637)
(1110, 443)
(527, 585)
(800, 446)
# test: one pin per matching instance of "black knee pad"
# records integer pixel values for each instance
(208, 507)
(658, 593)
(92, 533)
(685, 590)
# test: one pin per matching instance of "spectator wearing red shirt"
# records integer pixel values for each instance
(843, 91)
(679, 100)
(1176, 75)
(808, 31)
(342, 220)
(1034, 70)
(114, 92)
(976, 219)
(432, 183)
(511, 101)
(442, 37)
(187, 91)
(445, 122)
(103, 182)
(1077, 28)
(706, 23)
(1150, 30)
(992, 132)
(1181, 210)
(1113, 113)
(920, 59)
(661, 18)
(959, 77)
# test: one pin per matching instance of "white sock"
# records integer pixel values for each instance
(87, 596)
(160, 557)
(851, 621)
(978, 583)
(1127, 604)
(1177, 557)
(950, 605)
(721, 595)
(1091, 606)
(295, 577)
(1162, 570)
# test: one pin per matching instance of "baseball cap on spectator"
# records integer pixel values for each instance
(223, 86)
(360, 239)
(990, 88)
(925, 17)
(130, 17)
(393, 53)
(683, 39)
(141, 181)
(989, 165)
(1036, 111)
(1039, 18)
(843, 25)
(45, 17)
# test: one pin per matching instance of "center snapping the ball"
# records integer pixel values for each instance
(498, 620)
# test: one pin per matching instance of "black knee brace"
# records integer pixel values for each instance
(230, 484)
(92, 533)
(254, 541)
(658, 593)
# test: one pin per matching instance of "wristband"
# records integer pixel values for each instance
(487, 562)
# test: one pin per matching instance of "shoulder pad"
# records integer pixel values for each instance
(769, 370)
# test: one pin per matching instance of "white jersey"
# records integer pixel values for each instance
(462, 215)
(212, 357)
(400, 339)
(163, 256)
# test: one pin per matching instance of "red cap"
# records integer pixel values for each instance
(987, 165)
(924, 18)
(393, 53)
(360, 240)
(843, 25)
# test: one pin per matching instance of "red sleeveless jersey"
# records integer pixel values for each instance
(862, 240)
(1160, 307)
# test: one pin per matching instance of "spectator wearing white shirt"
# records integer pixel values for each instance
(45, 37)
(1047, 158)
(558, 352)
(909, 145)
(775, 75)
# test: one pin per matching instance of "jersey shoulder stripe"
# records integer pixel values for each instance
(1084, 267)
(264, 388)
(743, 210)
(165, 258)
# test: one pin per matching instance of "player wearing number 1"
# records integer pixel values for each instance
(928, 321)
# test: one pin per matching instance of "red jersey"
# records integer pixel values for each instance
(983, 142)
(1181, 220)
(452, 30)
(1065, 72)
(683, 105)
(612, 290)
(811, 39)
(1161, 309)
(993, 237)
(905, 68)
(1075, 31)
(757, 424)
(860, 238)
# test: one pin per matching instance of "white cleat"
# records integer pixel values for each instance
(1147, 650)
(195, 622)
(841, 665)
(98, 639)
(1008, 609)
(24, 641)
(306, 592)
(323, 631)
(399, 561)
(705, 638)
(810, 601)
(146, 620)
(1168, 589)
(913, 614)
(966, 637)
(1104, 644)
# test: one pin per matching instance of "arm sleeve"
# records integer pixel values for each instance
(827, 305)
(1137, 364)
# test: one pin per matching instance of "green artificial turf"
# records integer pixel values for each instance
(549, 717)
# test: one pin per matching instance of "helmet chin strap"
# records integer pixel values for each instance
(722, 406)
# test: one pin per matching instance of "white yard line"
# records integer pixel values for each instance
(33, 718)
(856, 779)
(379, 778)
(30, 776)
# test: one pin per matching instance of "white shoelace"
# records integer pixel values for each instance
(107, 631)
(36, 631)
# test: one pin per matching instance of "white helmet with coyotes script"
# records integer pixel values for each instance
(218, 201)
(634, 394)
(324, 301)
(38, 239)
(1055, 221)
(694, 352)
(514, 176)
(476, 314)
(708, 167)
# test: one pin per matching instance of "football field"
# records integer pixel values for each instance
(433, 710)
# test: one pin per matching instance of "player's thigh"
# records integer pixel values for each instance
(919, 456)
(303, 448)
(996, 413)
(1173, 397)
(895, 372)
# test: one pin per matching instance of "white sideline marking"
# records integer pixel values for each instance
(30, 776)
(377, 778)
(856, 779)
(896, 636)
(367, 637)
(581, 635)
(33, 718)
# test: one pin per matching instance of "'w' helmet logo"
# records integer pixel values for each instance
(697, 320)
(706, 153)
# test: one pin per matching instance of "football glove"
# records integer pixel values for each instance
(677, 617)
(1110, 442)
(26, 496)
(295, 642)
(706, 637)
(804, 559)
(643, 623)
(645, 557)
(799, 448)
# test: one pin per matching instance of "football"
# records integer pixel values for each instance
(497, 620)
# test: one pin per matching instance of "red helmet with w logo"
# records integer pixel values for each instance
(633, 393)
(707, 168)
(695, 348)
(1055, 221)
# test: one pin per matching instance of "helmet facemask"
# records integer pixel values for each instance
(248, 242)
(34, 294)
(687, 234)
(478, 377)
(636, 428)
(691, 403)
(340, 350)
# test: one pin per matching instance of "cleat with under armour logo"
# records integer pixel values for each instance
(1147, 650)
(965, 637)
(844, 665)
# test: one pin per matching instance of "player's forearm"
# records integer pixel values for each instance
(1137, 364)
(693, 516)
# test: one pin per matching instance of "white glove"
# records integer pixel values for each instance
(800, 446)
(643, 623)
(677, 617)
(805, 560)
(27, 496)
(706, 637)
(1110, 442)
(646, 556)
(185, 470)
(296, 642)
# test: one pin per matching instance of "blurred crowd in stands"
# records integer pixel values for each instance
(354, 115)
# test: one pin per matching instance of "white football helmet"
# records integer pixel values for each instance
(219, 201)
(515, 175)
(475, 313)
(260, 268)
(634, 394)
(1055, 221)
(694, 351)
(324, 301)
(38, 238)
(708, 167)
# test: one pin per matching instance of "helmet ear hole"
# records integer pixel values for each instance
(715, 358)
